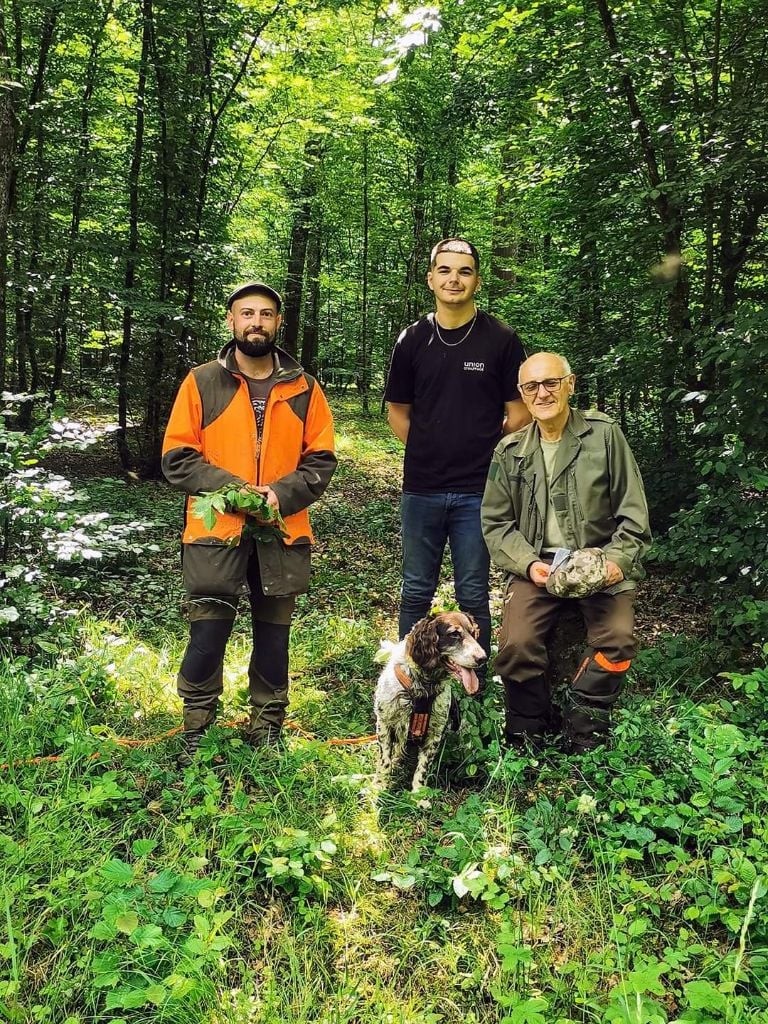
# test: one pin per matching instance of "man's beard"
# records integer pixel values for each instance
(264, 346)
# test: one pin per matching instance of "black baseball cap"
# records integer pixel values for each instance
(255, 288)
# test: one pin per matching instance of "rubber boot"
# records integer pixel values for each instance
(594, 690)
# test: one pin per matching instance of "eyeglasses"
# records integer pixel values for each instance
(551, 384)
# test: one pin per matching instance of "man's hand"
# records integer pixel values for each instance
(267, 493)
(538, 573)
(613, 574)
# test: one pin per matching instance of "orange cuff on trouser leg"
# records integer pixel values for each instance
(594, 690)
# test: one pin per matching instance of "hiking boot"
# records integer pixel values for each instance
(190, 745)
(269, 737)
(526, 743)
(196, 723)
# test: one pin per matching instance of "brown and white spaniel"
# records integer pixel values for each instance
(413, 695)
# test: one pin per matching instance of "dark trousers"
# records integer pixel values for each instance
(201, 677)
(530, 615)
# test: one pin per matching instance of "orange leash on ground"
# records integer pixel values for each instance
(126, 741)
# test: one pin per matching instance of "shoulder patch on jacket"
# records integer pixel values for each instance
(300, 403)
(217, 388)
(510, 440)
(595, 414)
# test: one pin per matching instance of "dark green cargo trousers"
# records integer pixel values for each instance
(530, 615)
(211, 615)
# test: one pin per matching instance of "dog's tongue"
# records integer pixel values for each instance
(467, 677)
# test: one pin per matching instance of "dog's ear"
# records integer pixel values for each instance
(473, 627)
(422, 644)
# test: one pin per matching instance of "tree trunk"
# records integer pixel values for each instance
(417, 258)
(129, 281)
(311, 324)
(25, 295)
(504, 251)
(7, 155)
(364, 362)
(16, 137)
(297, 251)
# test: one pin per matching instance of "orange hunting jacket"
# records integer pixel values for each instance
(211, 441)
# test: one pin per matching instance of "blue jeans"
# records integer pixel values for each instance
(428, 521)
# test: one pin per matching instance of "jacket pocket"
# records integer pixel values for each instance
(285, 568)
(215, 570)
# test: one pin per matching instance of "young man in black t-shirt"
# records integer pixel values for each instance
(451, 393)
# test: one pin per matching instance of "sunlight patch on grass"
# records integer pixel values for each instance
(142, 672)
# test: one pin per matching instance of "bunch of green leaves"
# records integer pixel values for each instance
(473, 749)
(294, 860)
(161, 935)
(462, 861)
(264, 523)
(719, 540)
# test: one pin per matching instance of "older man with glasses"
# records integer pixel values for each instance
(564, 514)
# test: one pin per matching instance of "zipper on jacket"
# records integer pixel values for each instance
(258, 449)
(531, 506)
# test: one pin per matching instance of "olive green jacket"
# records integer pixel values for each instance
(596, 491)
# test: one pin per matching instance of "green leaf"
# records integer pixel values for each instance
(513, 956)
(173, 918)
(528, 1012)
(126, 998)
(702, 995)
(156, 994)
(206, 898)
(638, 927)
(106, 980)
(148, 936)
(117, 871)
(141, 847)
(164, 881)
(128, 922)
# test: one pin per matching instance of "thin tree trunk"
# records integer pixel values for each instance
(297, 252)
(19, 136)
(26, 346)
(416, 261)
(504, 251)
(131, 261)
(311, 324)
(364, 368)
(7, 155)
(163, 336)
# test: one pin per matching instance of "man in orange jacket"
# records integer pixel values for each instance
(251, 417)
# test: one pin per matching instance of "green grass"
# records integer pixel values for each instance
(273, 887)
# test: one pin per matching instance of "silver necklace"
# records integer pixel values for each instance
(453, 344)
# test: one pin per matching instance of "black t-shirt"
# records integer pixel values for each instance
(456, 390)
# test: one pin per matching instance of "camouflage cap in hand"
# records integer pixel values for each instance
(581, 574)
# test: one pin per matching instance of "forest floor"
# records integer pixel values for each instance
(273, 886)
